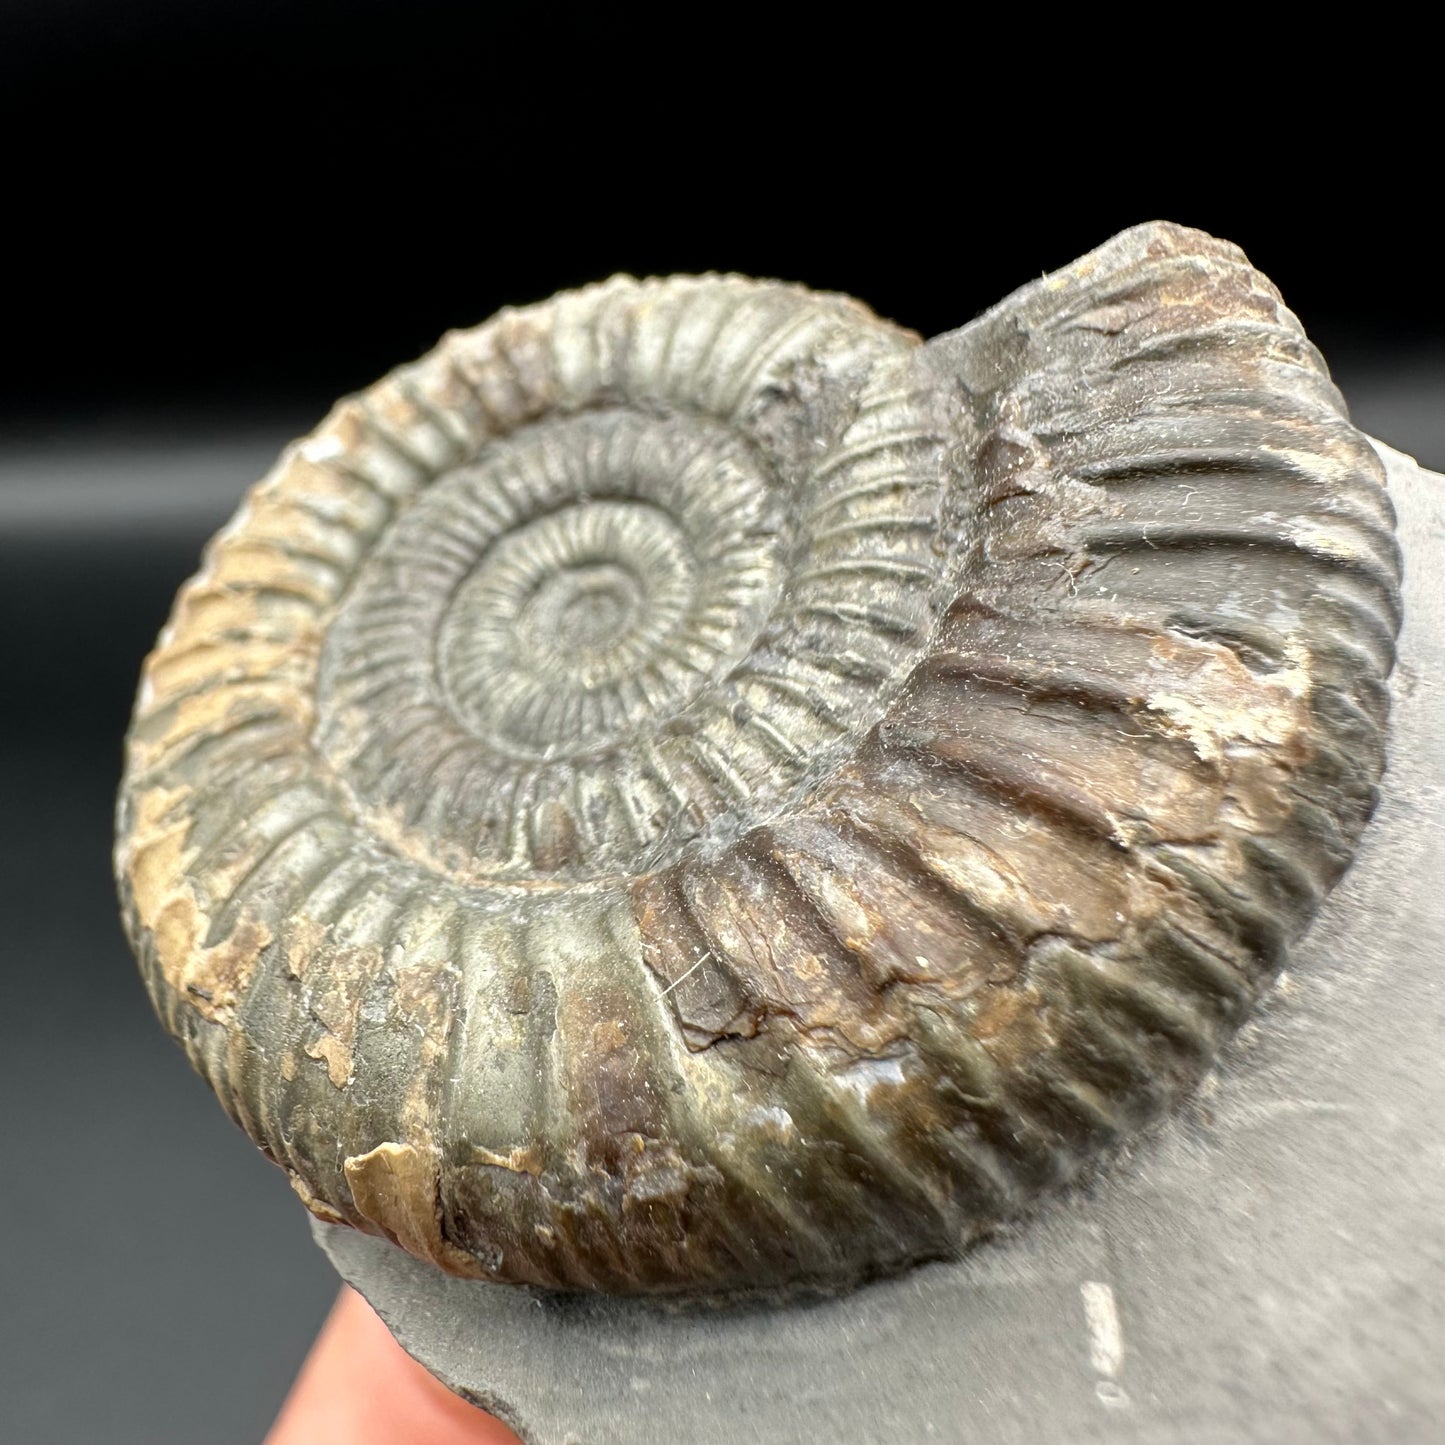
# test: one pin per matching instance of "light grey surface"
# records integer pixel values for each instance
(1408, 406)
(152, 484)
(1266, 1266)
(137, 488)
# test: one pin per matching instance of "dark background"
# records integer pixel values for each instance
(220, 216)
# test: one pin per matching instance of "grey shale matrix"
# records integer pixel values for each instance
(687, 788)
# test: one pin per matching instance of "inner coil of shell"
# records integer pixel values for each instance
(687, 788)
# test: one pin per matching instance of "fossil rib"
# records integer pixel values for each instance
(687, 788)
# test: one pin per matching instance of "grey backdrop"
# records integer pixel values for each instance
(158, 1282)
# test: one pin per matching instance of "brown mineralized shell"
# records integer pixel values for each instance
(686, 788)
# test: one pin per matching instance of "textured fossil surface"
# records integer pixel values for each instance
(686, 787)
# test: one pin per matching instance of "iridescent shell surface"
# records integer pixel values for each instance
(688, 788)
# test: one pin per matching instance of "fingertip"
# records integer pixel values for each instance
(358, 1386)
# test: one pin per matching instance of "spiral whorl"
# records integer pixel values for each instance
(614, 622)
(685, 788)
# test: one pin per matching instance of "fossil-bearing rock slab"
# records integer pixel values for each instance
(1263, 1266)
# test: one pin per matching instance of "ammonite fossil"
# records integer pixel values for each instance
(687, 788)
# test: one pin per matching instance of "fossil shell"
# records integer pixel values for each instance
(687, 788)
